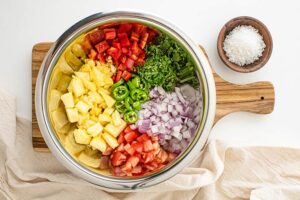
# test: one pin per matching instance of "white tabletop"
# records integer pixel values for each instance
(24, 23)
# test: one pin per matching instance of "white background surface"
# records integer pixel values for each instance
(26, 22)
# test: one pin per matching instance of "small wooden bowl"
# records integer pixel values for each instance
(262, 29)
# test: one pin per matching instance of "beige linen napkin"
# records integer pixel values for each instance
(220, 172)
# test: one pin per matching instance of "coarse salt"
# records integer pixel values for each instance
(244, 45)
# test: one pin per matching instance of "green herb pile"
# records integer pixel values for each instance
(167, 64)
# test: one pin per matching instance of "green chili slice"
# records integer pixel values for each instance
(120, 92)
(117, 84)
(136, 105)
(142, 96)
(131, 117)
(130, 85)
(120, 106)
(128, 102)
(136, 81)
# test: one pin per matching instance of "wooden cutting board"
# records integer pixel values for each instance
(255, 97)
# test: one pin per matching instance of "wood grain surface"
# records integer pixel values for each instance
(255, 97)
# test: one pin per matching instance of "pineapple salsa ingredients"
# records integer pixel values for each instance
(105, 105)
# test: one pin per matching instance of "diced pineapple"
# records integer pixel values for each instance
(82, 107)
(97, 76)
(95, 129)
(81, 136)
(64, 67)
(88, 123)
(116, 118)
(101, 89)
(54, 99)
(68, 100)
(89, 160)
(98, 143)
(94, 118)
(108, 80)
(108, 111)
(64, 83)
(86, 100)
(76, 86)
(95, 97)
(104, 118)
(71, 146)
(108, 99)
(72, 114)
(90, 85)
(83, 75)
(59, 118)
(115, 130)
(111, 141)
(85, 68)
(95, 111)
(83, 118)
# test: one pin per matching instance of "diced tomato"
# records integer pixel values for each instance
(113, 77)
(86, 45)
(125, 28)
(130, 136)
(118, 171)
(101, 57)
(137, 146)
(135, 49)
(133, 160)
(143, 138)
(110, 33)
(118, 158)
(138, 28)
(142, 54)
(124, 50)
(126, 75)
(123, 37)
(114, 53)
(118, 76)
(120, 147)
(148, 145)
(123, 59)
(104, 162)
(134, 57)
(96, 36)
(139, 62)
(129, 52)
(152, 35)
(148, 157)
(93, 54)
(129, 149)
(162, 156)
(121, 67)
(129, 64)
(127, 129)
(116, 45)
(134, 36)
(121, 138)
(102, 46)
(108, 151)
(137, 169)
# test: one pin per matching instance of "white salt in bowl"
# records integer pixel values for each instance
(263, 31)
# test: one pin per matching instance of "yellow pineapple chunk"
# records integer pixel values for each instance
(54, 99)
(82, 107)
(111, 141)
(88, 123)
(116, 118)
(83, 118)
(108, 99)
(83, 75)
(63, 83)
(91, 161)
(104, 118)
(59, 118)
(98, 143)
(81, 136)
(72, 114)
(108, 111)
(115, 130)
(95, 129)
(97, 76)
(108, 80)
(95, 97)
(68, 100)
(76, 86)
